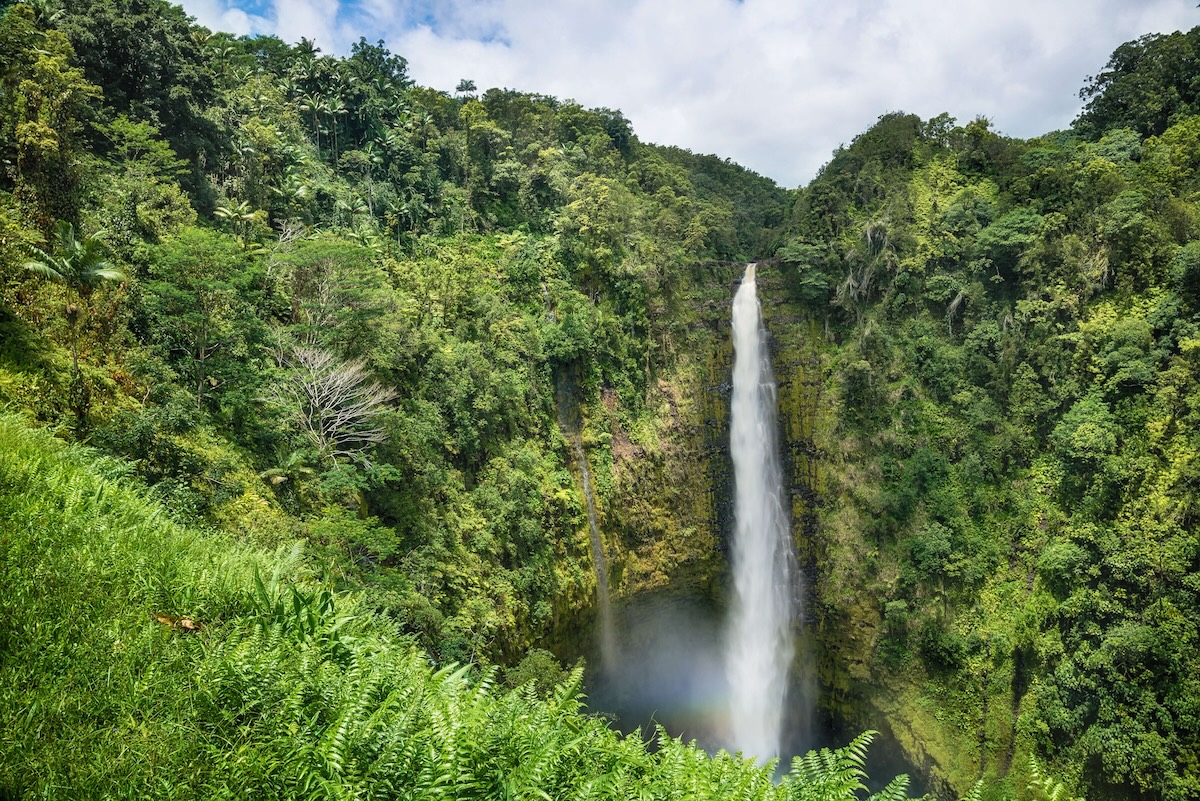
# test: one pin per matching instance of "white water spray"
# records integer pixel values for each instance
(759, 644)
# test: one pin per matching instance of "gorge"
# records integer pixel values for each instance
(340, 416)
(693, 660)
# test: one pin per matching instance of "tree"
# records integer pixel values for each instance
(337, 404)
(1007, 239)
(150, 67)
(594, 228)
(198, 309)
(1185, 273)
(79, 263)
(44, 101)
(373, 62)
(338, 295)
(1147, 85)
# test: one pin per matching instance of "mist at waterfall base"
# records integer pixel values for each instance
(670, 671)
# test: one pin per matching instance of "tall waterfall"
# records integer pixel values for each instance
(759, 643)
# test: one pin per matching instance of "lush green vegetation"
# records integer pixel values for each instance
(310, 296)
(143, 659)
(1012, 431)
(336, 340)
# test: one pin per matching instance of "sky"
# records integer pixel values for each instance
(774, 85)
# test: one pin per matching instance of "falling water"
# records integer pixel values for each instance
(759, 645)
(608, 635)
(566, 388)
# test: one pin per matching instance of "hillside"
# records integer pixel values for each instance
(343, 349)
(1005, 439)
(143, 659)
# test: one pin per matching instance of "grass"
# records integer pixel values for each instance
(275, 687)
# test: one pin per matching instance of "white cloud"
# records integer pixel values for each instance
(773, 84)
(309, 19)
(220, 15)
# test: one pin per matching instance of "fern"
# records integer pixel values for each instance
(829, 774)
(976, 793)
(896, 790)
(1046, 788)
(291, 691)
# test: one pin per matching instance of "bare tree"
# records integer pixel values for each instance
(338, 404)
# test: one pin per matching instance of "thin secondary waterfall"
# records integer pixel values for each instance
(759, 643)
(608, 634)
(570, 422)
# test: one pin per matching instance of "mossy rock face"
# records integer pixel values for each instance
(847, 575)
(662, 520)
(660, 474)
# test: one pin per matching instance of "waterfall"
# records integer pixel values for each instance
(608, 634)
(758, 641)
(566, 387)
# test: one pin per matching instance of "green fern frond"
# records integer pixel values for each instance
(1046, 788)
(896, 790)
(976, 792)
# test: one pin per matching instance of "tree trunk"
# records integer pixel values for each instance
(72, 315)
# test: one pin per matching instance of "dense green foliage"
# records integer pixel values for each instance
(299, 299)
(1148, 85)
(1011, 463)
(345, 301)
(142, 659)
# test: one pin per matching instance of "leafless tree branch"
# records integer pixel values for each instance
(338, 403)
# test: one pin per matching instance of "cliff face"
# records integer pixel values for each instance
(661, 473)
(669, 502)
(845, 594)
(665, 475)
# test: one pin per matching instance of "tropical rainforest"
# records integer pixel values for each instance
(304, 369)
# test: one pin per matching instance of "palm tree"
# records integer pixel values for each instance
(367, 238)
(79, 264)
(47, 13)
(241, 216)
(371, 159)
(313, 104)
(293, 191)
(289, 86)
(354, 206)
(335, 107)
(307, 48)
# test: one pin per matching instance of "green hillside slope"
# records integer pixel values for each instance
(142, 659)
(342, 346)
